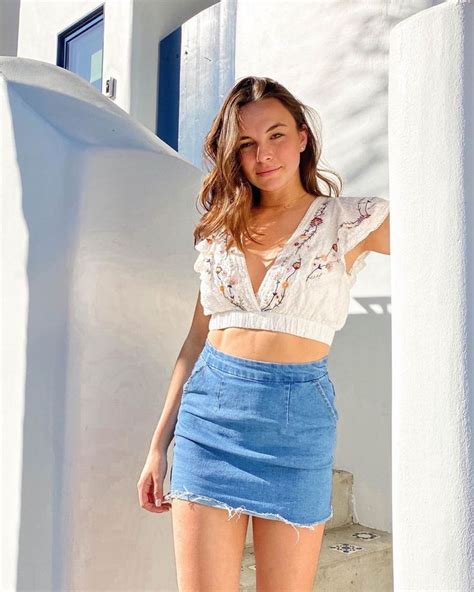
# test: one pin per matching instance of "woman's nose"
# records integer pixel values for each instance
(263, 153)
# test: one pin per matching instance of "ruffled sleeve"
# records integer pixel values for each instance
(204, 248)
(357, 218)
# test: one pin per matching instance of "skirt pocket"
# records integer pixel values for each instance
(327, 393)
(200, 391)
(198, 366)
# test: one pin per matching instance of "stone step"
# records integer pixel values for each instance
(354, 558)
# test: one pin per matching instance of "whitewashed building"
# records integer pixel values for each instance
(103, 110)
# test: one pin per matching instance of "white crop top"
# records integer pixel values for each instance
(306, 291)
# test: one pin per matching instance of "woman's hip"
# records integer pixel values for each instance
(249, 406)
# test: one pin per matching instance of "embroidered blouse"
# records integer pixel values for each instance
(306, 291)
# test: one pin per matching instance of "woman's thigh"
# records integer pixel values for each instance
(283, 565)
(208, 547)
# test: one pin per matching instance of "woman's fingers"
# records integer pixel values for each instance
(146, 496)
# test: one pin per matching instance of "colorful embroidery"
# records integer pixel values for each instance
(228, 280)
(307, 285)
(322, 264)
(294, 261)
(226, 287)
(234, 282)
(363, 215)
(328, 261)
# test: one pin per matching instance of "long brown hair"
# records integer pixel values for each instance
(226, 194)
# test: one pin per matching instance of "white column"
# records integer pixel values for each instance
(431, 114)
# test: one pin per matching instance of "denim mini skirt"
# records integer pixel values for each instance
(256, 437)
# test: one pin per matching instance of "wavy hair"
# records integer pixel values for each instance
(226, 194)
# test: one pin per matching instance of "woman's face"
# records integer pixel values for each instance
(270, 146)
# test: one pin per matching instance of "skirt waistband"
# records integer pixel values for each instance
(264, 371)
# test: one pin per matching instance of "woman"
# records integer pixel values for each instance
(251, 405)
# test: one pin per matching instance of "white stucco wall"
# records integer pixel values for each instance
(41, 23)
(431, 178)
(132, 32)
(97, 297)
(335, 59)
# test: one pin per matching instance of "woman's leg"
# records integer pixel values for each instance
(208, 547)
(281, 564)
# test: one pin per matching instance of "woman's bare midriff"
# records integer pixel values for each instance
(267, 346)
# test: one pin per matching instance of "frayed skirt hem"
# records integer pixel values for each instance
(209, 501)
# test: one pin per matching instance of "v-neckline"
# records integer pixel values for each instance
(256, 295)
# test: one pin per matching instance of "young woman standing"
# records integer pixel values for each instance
(251, 405)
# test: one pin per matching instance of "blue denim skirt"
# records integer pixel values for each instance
(256, 437)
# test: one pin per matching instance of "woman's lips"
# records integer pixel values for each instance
(264, 174)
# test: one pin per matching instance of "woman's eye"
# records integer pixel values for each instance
(248, 143)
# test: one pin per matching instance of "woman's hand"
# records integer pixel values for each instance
(150, 484)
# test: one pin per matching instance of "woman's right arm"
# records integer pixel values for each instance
(150, 483)
(187, 357)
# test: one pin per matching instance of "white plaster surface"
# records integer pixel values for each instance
(431, 180)
(97, 297)
(132, 32)
(70, 265)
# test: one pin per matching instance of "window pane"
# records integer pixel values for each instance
(84, 54)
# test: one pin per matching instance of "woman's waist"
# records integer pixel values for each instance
(268, 346)
(311, 336)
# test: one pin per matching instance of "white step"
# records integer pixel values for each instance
(353, 557)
